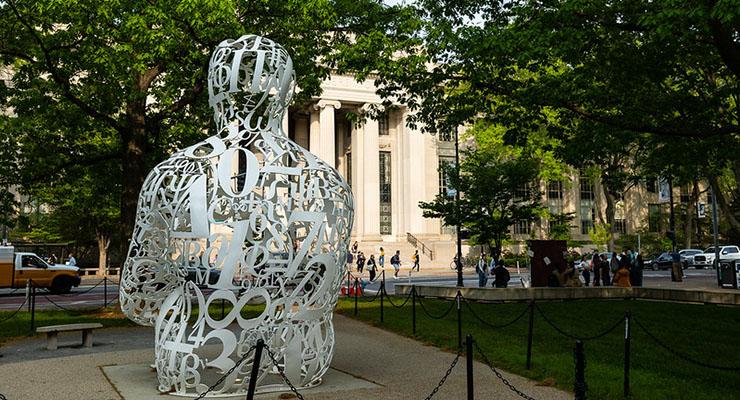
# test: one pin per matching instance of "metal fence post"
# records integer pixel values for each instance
(529, 334)
(255, 369)
(459, 320)
(33, 308)
(413, 308)
(627, 339)
(382, 292)
(469, 362)
(356, 286)
(105, 291)
(28, 294)
(580, 381)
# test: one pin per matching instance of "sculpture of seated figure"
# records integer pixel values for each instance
(258, 220)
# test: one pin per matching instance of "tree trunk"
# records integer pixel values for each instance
(103, 245)
(724, 204)
(610, 212)
(135, 145)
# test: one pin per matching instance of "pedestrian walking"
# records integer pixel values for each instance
(482, 269)
(381, 259)
(415, 259)
(605, 271)
(396, 263)
(371, 267)
(71, 261)
(53, 259)
(614, 263)
(355, 245)
(360, 261)
(676, 269)
(350, 260)
(501, 276)
(636, 277)
(596, 268)
(586, 270)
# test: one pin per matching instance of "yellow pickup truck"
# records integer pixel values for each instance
(17, 268)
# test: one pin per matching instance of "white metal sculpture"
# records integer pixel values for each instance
(256, 219)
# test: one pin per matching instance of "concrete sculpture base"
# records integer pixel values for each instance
(138, 382)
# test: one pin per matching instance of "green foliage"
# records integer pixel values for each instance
(116, 86)
(497, 185)
(600, 235)
(560, 226)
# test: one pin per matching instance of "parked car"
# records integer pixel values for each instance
(663, 261)
(726, 253)
(687, 256)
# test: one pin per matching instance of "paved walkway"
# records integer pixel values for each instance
(405, 369)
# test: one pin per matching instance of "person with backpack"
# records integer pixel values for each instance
(396, 263)
(381, 258)
(585, 270)
(371, 267)
(482, 269)
(415, 258)
(501, 276)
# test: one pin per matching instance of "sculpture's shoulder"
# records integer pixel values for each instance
(178, 166)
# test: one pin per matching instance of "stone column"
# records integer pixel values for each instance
(327, 144)
(371, 181)
(313, 128)
(358, 177)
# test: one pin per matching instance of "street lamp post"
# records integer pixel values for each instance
(457, 203)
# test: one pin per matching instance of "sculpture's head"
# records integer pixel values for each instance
(250, 81)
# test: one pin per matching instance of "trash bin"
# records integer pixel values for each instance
(730, 273)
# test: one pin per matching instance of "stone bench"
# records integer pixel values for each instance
(53, 330)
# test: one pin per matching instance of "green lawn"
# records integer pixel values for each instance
(707, 333)
(20, 324)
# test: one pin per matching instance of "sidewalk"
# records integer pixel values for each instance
(404, 368)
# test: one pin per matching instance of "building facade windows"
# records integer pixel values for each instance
(522, 227)
(620, 226)
(383, 125)
(348, 174)
(385, 193)
(654, 217)
(587, 197)
(444, 178)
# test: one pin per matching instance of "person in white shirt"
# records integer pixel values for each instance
(72, 260)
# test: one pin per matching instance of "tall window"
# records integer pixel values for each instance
(555, 190)
(685, 196)
(446, 136)
(654, 217)
(385, 193)
(444, 178)
(523, 191)
(620, 225)
(587, 204)
(522, 227)
(383, 124)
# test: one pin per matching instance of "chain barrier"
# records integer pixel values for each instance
(227, 374)
(680, 355)
(377, 294)
(3, 397)
(391, 301)
(25, 300)
(498, 374)
(581, 338)
(80, 293)
(490, 325)
(421, 303)
(78, 312)
(444, 378)
(282, 373)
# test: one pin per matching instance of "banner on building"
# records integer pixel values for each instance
(664, 191)
(701, 210)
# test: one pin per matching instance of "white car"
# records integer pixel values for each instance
(687, 256)
(726, 253)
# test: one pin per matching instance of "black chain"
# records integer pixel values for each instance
(490, 325)
(14, 313)
(499, 376)
(444, 378)
(282, 373)
(680, 355)
(227, 374)
(582, 338)
(377, 294)
(3, 397)
(421, 303)
(391, 301)
(78, 312)
(79, 293)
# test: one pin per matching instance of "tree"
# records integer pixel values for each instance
(498, 187)
(667, 69)
(134, 73)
